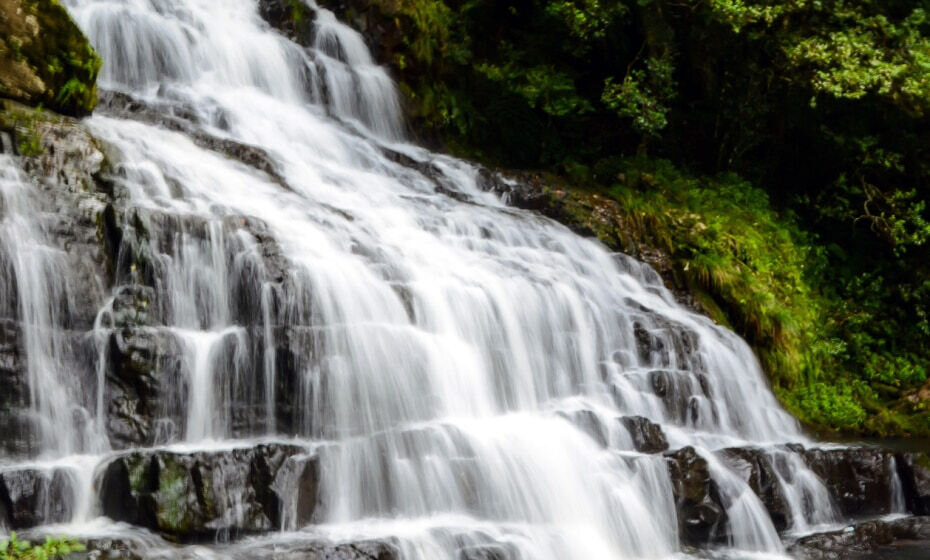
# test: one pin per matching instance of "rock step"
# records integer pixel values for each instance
(859, 481)
(30, 497)
(211, 494)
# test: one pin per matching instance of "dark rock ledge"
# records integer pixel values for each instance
(863, 538)
(213, 494)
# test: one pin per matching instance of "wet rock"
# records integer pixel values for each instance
(859, 479)
(178, 118)
(859, 539)
(33, 497)
(144, 366)
(487, 552)
(204, 495)
(588, 422)
(364, 550)
(297, 484)
(134, 306)
(702, 517)
(685, 396)
(648, 436)
(293, 19)
(17, 434)
(64, 176)
(914, 470)
(758, 469)
(108, 549)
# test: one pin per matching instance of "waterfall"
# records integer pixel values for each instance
(468, 373)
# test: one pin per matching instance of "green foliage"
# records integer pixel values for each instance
(586, 20)
(644, 95)
(53, 548)
(542, 87)
(833, 405)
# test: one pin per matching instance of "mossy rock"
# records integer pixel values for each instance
(45, 58)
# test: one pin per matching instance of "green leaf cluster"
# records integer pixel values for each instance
(53, 548)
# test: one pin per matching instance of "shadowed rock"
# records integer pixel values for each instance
(648, 436)
(33, 497)
(757, 469)
(859, 479)
(863, 538)
(702, 517)
(205, 495)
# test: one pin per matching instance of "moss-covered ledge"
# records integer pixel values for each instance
(45, 59)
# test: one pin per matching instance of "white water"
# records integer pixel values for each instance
(443, 346)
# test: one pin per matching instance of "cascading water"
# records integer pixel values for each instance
(461, 367)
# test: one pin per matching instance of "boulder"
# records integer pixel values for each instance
(702, 518)
(757, 468)
(648, 436)
(297, 483)
(859, 479)
(44, 57)
(207, 495)
(33, 497)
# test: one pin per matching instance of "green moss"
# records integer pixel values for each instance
(55, 51)
(138, 473)
(26, 123)
(174, 512)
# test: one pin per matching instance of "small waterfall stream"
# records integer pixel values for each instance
(468, 373)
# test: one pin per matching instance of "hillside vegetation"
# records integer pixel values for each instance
(775, 152)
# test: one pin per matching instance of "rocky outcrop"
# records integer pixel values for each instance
(208, 495)
(702, 518)
(45, 59)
